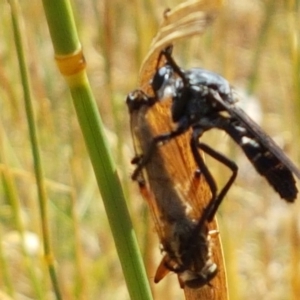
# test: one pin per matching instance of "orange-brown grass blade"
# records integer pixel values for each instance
(177, 168)
(176, 195)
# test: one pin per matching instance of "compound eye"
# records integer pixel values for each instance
(161, 78)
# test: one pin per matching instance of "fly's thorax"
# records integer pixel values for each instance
(212, 80)
(194, 103)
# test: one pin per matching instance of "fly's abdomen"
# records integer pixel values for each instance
(269, 166)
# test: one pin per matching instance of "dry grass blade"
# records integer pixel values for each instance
(189, 7)
(171, 176)
(185, 20)
(176, 163)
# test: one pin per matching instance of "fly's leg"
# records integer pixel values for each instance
(142, 161)
(167, 52)
(216, 200)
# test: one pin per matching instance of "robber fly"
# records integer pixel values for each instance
(199, 100)
(173, 192)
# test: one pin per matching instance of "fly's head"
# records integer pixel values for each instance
(195, 280)
(189, 256)
(196, 256)
(137, 98)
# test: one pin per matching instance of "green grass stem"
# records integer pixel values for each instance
(66, 43)
(38, 169)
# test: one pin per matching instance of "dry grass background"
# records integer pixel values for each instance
(254, 44)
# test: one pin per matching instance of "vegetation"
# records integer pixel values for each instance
(254, 44)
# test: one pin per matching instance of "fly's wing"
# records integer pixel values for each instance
(167, 205)
(177, 190)
(139, 129)
(267, 158)
(260, 135)
(178, 161)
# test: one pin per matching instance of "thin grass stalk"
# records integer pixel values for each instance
(293, 9)
(293, 271)
(81, 278)
(146, 24)
(108, 54)
(263, 34)
(71, 63)
(294, 42)
(36, 284)
(5, 274)
(38, 169)
(14, 201)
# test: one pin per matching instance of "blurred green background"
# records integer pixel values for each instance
(254, 44)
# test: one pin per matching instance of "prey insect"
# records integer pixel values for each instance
(175, 195)
(200, 99)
